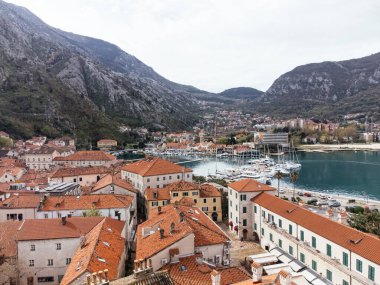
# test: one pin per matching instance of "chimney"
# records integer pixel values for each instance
(162, 232)
(64, 220)
(106, 275)
(155, 194)
(215, 277)
(285, 277)
(94, 278)
(257, 272)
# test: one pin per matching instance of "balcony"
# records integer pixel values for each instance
(333, 262)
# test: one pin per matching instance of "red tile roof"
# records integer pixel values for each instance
(90, 155)
(154, 166)
(117, 180)
(85, 202)
(205, 231)
(161, 194)
(78, 171)
(40, 229)
(103, 249)
(249, 185)
(8, 236)
(21, 201)
(195, 272)
(356, 241)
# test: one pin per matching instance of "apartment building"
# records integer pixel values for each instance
(87, 158)
(177, 231)
(204, 196)
(240, 193)
(47, 247)
(341, 254)
(41, 159)
(84, 176)
(155, 172)
(19, 207)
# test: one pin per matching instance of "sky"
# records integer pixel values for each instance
(219, 44)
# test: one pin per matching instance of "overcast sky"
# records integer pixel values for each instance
(219, 44)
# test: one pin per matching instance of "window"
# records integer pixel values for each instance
(45, 279)
(158, 178)
(170, 177)
(148, 180)
(236, 207)
(230, 192)
(244, 222)
(185, 194)
(178, 176)
(280, 223)
(188, 175)
(195, 193)
(230, 203)
(290, 229)
(59, 215)
(231, 215)
(345, 258)
(31, 263)
(314, 242)
(164, 178)
(214, 200)
(263, 214)
(154, 204)
(74, 180)
(359, 265)
(68, 260)
(214, 208)
(255, 226)
(45, 216)
(345, 282)
(302, 257)
(50, 262)
(290, 249)
(236, 195)
(32, 247)
(205, 209)
(328, 250)
(271, 237)
(371, 273)
(255, 209)
(175, 194)
(243, 197)
(314, 265)
(244, 209)
(80, 179)
(58, 246)
(205, 200)
(262, 231)
(329, 275)
(280, 243)
(302, 235)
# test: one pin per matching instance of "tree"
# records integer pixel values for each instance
(368, 222)
(294, 177)
(93, 212)
(279, 175)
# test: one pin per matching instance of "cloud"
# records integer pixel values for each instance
(215, 45)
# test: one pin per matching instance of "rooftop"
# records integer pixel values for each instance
(356, 241)
(90, 155)
(17, 201)
(102, 249)
(117, 180)
(159, 277)
(8, 236)
(154, 166)
(77, 171)
(86, 202)
(250, 185)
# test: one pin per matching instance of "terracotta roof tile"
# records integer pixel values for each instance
(190, 271)
(40, 229)
(77, 171)
(8, 236)
(90, 155)
(356, 241)
(154, 166)
(103, 249)
(250, 185)
(21, 201)
(157, 194)
(205, 231)
(117, 180)
(85, 202)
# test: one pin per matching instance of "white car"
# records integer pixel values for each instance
(282, 191)
(322, 196)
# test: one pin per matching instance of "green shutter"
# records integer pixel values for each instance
(345, 258)
(328, 249)
(371, 273)
(290, 229)
(314, 265)
(359, 265)
(314, 242)
(302, 235)
(329, 275)
(302, 257)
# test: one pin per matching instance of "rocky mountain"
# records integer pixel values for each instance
(53, 82)
(241, 93)
(326, 89)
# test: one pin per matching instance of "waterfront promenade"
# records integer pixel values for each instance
(337, 147)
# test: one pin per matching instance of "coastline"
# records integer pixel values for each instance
(339, 147)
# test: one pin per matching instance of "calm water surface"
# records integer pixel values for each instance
(346, 172)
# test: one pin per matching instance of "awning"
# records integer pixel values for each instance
(296, 265)
(309, 275)
(276, 268)
(276, 251)
(285, 258)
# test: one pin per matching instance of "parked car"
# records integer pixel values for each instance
(330, 198)
(307, 194)
(334, 203)
(299, 193)
(312, 202)
(282, 191)
(322, 203)
(322, 196)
